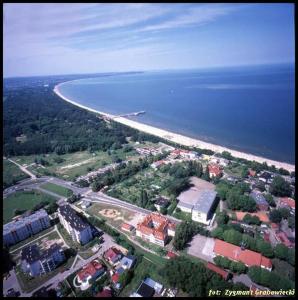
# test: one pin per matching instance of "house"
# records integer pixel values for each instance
(21, 229)
(37, 262)
(154, 228)
(90, 272)
(85, 204)
(171, 255)
(224, 274)
(127, 227)
(274, 226)
(260, 214)
(252, 173)
(113, 255)
(260, 200)
(127, 262)
(281, 236)
(161, 202)
(105, 293)
(214, 170)
(79, 230)
(266, 177)
(144, 290)
(247, 257)
(157, 164)
(287, 202)
(115, 280)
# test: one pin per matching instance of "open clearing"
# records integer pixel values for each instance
(12, 174)
(22, 201)
(62, 191)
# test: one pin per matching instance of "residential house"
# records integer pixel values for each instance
(157, 164)
(90, 272)
(282, 238)
(85, 204)
(37, 262)
(214, 170)
(260, 200)
(79, 230)
(21, 229)
(148, 288)
(223, 273)
(113, 255)
(127, 227)
(105, 293)
(155, 229)
(247, 257)
(266, 177)
(171, 255)
(287, 202)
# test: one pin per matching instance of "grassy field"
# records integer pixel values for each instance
(22, 201)
(60, 190)
(144, 269)
(72, 165)
(11, 174)
(234, 169)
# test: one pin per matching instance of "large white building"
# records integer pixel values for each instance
(199, 200)
(79, 230)
(16, 231)
(36, 262)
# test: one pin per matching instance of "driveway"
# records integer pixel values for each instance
(201, 247)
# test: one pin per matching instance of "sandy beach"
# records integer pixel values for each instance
(180, 139)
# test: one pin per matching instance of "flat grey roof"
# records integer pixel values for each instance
(205, 201)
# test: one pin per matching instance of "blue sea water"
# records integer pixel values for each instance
(250, 109)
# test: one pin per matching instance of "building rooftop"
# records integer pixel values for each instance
(248, 257)
(33, 253)
(224, 274)
(287, 202)
(90, 269)
(145, 290)
(111, 253)
(14, 225)
(161, 201)
(205, 201)
(72, 218)
(258, 197)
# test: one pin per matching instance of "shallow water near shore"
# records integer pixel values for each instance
(249, 109)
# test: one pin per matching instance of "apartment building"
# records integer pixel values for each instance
(79, 230)
(21, 229)
(36, 262)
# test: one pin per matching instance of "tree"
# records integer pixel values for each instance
(217, 233)
(281, 251)
(244, 172)
(232, 236)
(206, 175)
(183, 234)
(280, 188)
(265, 248)
(222, 218)
(125, 277)
(227, 155)
(285, 212)
(222, 189)
(291, 222)
(237, 267)
(270, 200)
(275, 216)
(52, 208)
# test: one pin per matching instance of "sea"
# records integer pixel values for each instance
(248, 108)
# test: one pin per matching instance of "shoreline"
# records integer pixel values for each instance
(178, 138)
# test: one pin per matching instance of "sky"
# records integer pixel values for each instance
(49, 39)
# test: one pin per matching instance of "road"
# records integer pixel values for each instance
(23, 169)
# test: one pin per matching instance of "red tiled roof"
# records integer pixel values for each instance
(266, 237)
(126, 226)
(224, 274)
(261, 215)
(251, 172)
(284, 239)
(274, 226)
(248, 257)
(112, 253)
(160, 227)
(171, 254)
(104, 293)
(287, 201)
(89, 270)
(214, 169)
(115, 277)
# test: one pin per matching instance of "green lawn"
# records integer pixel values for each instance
(71, 165)
(11, 174)
(144, 269)
(22, 201)
(60, 190)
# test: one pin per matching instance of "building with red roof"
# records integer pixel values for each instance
(90, 271)
(223, 273)
(171, 255)
(247, 257)
(274, 226)
(156, 229)
(214, 170)
(287, 202)
(281, 236)
(127, 227)
(252, 173)
(113, 255)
